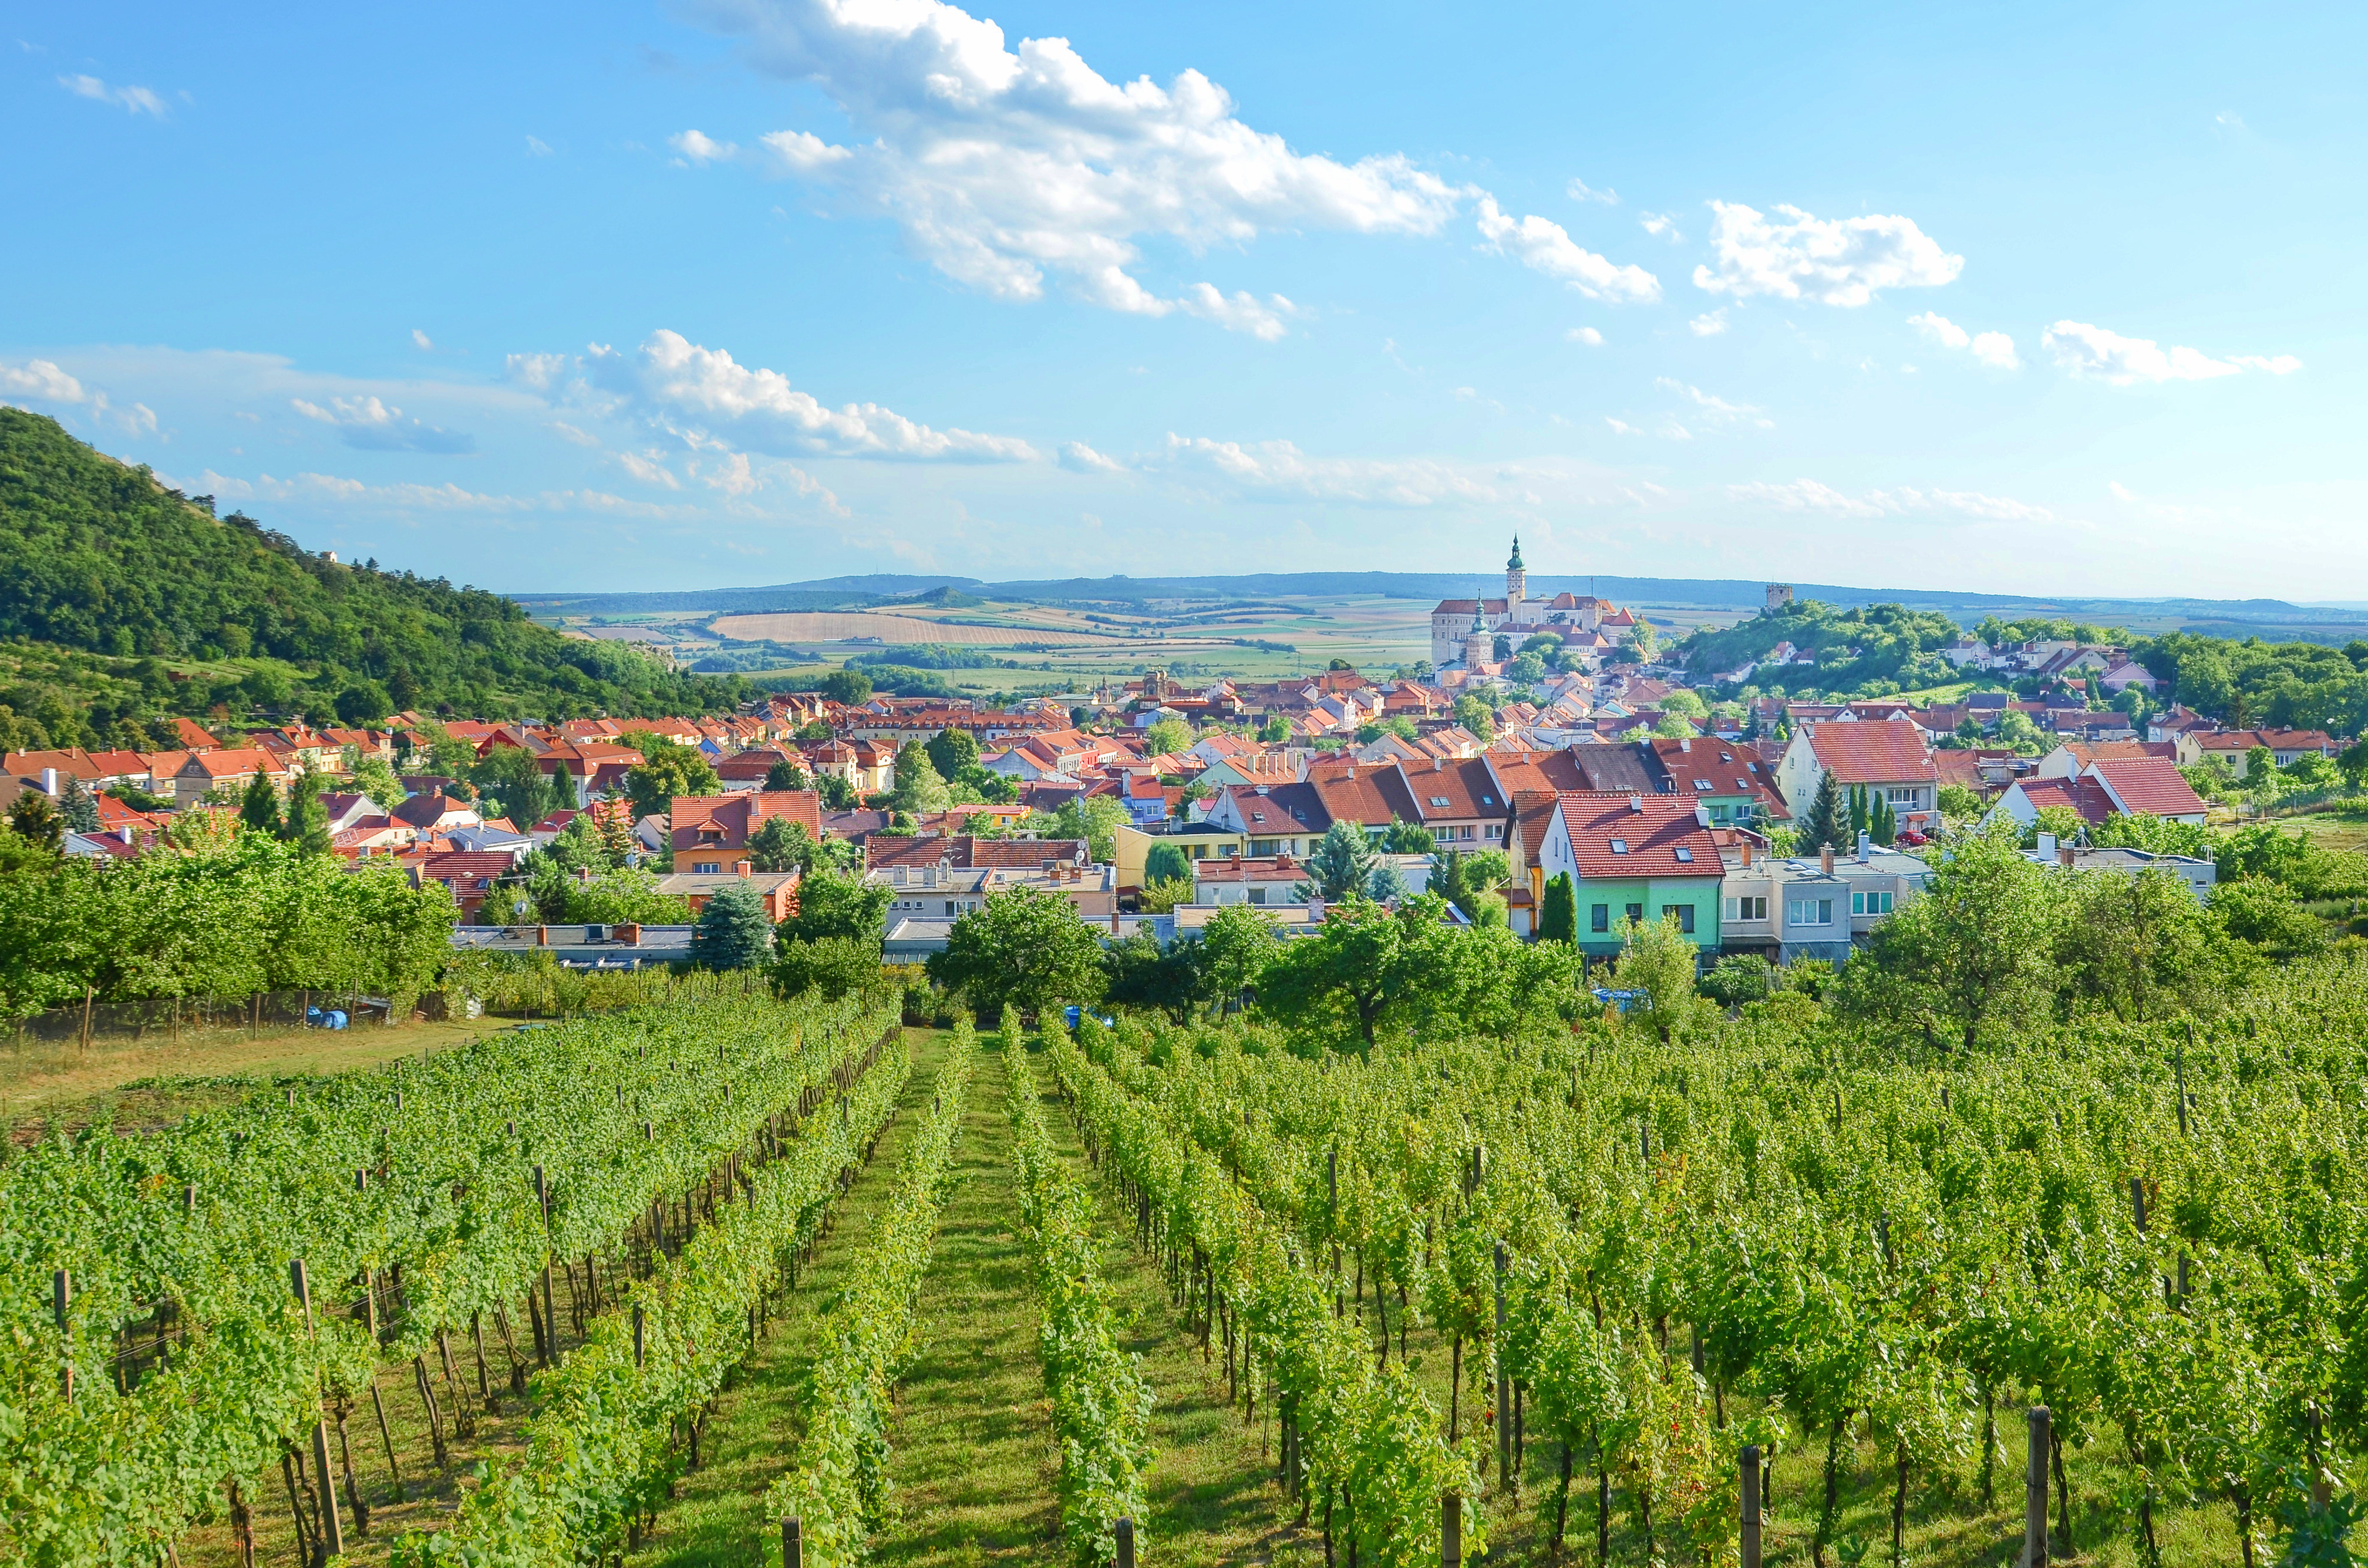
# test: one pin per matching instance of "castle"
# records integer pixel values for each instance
(1464, 632)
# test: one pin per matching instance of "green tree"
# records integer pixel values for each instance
(1342, 863)
(306, 824)
(1882, 822)
(786, 774)
(34, 818)
(1138, 972)
(2263, 913)
(259, 808)
(667, 768)
(364, 702)
(1236, 945)
(1475, 716)
(76, 807)
(918, 786)
(1643, 641)
(2017, 732)
(952, 752)
(781, 844)
(2140, 946)
(1974, 953)
(1167, 737)
(1558, 914)
(1827, 822)
(838, 965)
(1959, 803)
(1658, 959)
(375, 777)
(1094, 818)
(1166, 863)
(1021, 948)
(509, 783)
(732, 932)
(1468, 879)
(850, 687)
(1275, 731)
(1685, 703)
(1370, 968)
(834, 904)
(1408, 838)
(1739, 978)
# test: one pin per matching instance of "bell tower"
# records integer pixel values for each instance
(1517, 583)
(1477, 644)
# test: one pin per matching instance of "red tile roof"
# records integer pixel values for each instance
(967, 853)
(1650, 830)
(1369, 794)
(1882, 751)
(727, 822)
(2084, 796)
(2148, 786)
(1446, 789)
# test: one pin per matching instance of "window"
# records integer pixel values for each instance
(1258, 895)
(1704, 785)
(1496, 830)
(1808, 912)
(1636, 913)
(711, 867)
(1439, 802)
(1686, 854)
(1908, 795)
(950, 906)
(1620, 847)
(1746, 909)
(1685, 914)
(1871, 903)
(1598, 917)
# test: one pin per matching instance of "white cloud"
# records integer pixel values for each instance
(1080, 458)
(1278, 470)
(540, 372)
(1718, 409)
(1586, 335)
(41, 379)
(132, 100)
(647, 471)
(1545, 246)
(420, 340)
(1661, 226)
(2086, 350)
(1621, 426)
(571, 435)
(1995, 349)
(1808, 496)
(1841, 262)
(337, 490)
(671, 378)
(732, 475)
(1006, 165)
(1579, 191)
(697, 147)
(370, 424)
(1710, 324)
(536, 147)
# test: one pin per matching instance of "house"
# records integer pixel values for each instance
(1284, 819)
(2228, 749)
(2026, 798)
(2149, 785)
(1888, 756)
(1275, 879)
(203, 772)
(432, 813)
(1728, 778)
(188, 736)
(778, 890)
(749, 769)
(1194, 840)
(1630, 858)
(2199, 875)
(948, 878)
(1459, 801)
(2128, 673)
(469, 875)
(709, 834)
(1820, 908)
(1370, 797)
(964, 852)
(2070, 758)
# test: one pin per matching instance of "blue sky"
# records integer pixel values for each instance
(639, 295)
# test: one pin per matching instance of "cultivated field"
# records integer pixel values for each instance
(846, 627)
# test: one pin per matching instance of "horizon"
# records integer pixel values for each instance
(777, 290)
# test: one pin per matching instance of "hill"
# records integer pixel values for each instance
(121, 600)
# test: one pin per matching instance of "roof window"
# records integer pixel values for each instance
(1685, 854)
(1620, 847)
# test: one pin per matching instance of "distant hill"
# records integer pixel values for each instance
(112, 587)
(2273, 619)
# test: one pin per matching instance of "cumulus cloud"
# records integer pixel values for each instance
(647, 469)
(1078, 457)
(132, 100)
(571, 435)
(677, 382)
(1545, 246)
(1838, 262)
(1661, 226)
(2087, 350)
(421, 341)
(1278, 470)
(1586, 335)
(1995, 349)
(1716, 409)
(373, 426)
(1579, 191)
(1710, 324)
(1007, 166)
(40, 381)
(538, 372)
(1809, 496)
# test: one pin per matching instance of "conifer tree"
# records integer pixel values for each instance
(1558, 915)
(1828, 818)
(75, 804)
(258, 808)
(732, 932)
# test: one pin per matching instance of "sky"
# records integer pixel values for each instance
(609, 296)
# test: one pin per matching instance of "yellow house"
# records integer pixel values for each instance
(1198, 840)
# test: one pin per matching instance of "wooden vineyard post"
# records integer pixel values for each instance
(793, 1543)
(61, 1298)
(1451, 1530)
(324, 1488)
(1124, 1530)
(1750, 1469)
(1504, 1384)
(2034, 1490)
(637, 1337)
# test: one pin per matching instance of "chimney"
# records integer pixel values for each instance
(1826, 859)
(49, 782)
(743, 868)
(2046, 846)
(1637, 802)
(1747, 853)
(2064, 855)
(1865, 842)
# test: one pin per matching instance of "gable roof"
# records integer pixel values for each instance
(1364, 793)
(2083, 795)
(1649, 830)
(728, 822)
(1463, 787)
(1881, 751)
(1279, 809)
(2148, 786)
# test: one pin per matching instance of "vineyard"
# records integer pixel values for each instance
(722, 1278)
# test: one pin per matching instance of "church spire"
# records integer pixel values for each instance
(1515, 564)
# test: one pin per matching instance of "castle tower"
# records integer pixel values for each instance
(1478, 645)
(1517, 583)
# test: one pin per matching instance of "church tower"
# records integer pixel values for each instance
(1517, 583)
(1478, 645)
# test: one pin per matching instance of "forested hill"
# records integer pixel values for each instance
(99, 560)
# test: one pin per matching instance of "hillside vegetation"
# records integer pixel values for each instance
(121, 599)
